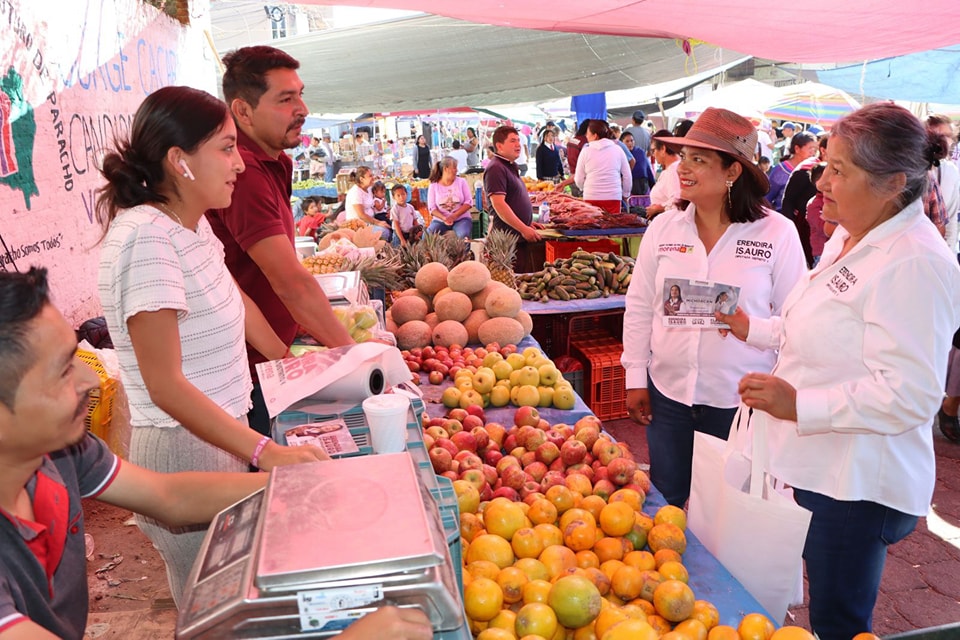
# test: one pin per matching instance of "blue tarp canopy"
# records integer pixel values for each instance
(589, 105)
(930, 76)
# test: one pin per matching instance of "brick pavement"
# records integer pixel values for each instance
(921, 581)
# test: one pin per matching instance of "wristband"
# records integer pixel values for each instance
(255, 460)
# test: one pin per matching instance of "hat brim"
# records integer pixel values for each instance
(751, 169)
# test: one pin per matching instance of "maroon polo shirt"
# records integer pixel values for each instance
(503, 176)
(260, 209)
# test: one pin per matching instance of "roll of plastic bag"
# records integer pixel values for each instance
(366, 380)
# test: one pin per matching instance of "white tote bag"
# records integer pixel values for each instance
(755, 530)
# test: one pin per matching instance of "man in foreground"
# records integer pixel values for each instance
(265, 95)
(48, 462)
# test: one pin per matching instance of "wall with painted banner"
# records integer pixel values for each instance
(72, 74)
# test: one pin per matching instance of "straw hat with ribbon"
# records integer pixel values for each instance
(723, 130)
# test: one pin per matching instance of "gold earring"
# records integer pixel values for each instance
(729, 195)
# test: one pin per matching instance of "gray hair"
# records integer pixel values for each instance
(886, 140)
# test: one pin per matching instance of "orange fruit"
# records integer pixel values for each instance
(691, 629)
(627, 582)
(631, 630)
(579, 535)
(607, 619)
(630, 496)
(671, 514)
(705, 612)
(637, 537)
(534, 569)
(617, 519)
(672, 570)
(482, 600)
(476, 626)
(866, 635)
(561, 497)
(645, 521)
(600, 579)
(723, 632)
(673, 600)
(558, 558)
(496, 633)
(542, 511)
(550, 534)
(755, 626)
(795, 633)
(663, 536)
(536, 591)
(579, 483)
(610, 567)
(634, 611)
(587, 559)
(526, 543)
(491, 547)
(576, 601)
(585, 633)
(504, 620)
(575, 513)
(646, 605)
(666, 555)
(511, 581)
(651, 580)
(503, 518)
(536, 618)
(483, 569)
(642, 560)
(659, 623)
(470, 526)
(593, 504)
(608, 549)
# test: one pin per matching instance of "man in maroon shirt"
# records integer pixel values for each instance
(265, 95)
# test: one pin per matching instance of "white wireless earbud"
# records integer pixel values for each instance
(186, 170)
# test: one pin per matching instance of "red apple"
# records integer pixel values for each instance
(621, 470)
(428, 441)
(603, 488)
(536, 470)
(550, 479)
(564, 429)
(547, 452)
(526, 416)
(457, 414)
(588, 436)
(529, 488)
(492, 455)
(555, 437)
(513, 477)
(476, 411)
(534, 439)
(509, 443)
(573, 452)
(483, 438)
(517, 452)
(490, 474)
(582, 469)
(440, 459)
(428, 352)
(447, 444)
(452, 425)
(641, 478)
(465, 441)
(497, 431)
(588, 420)
(557, 465)
(610, 452)
(506, 492)
(468, 460)
(527, 458)
(471, 422)
(506, 461)
(450, 474)
(474, 477)
(437, 432)
(543, 424)
(436, 422)
(435, 377)
(486, 493)
(600, 473)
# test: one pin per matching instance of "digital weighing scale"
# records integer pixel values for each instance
(321, 545)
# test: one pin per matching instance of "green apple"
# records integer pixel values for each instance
(484, 379)
(548, 374)
(528, 376)
(502, 370)
(492, 358)
(516, 360)
(564, 398)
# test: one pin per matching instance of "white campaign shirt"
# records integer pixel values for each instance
(149, 262)
(698, 366)
(864, 339)
(666, 190)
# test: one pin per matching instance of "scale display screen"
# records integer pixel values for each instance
(231, 536)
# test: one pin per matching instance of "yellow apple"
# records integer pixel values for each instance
(527, 396)
(502, 370)
(546, 396)
(470, 397)
(564, 398)
(451, 397)
(549, 374)
(492, 358)
(500, 395)
(516, 360)
(528, 376)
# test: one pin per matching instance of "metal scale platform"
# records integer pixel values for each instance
(320, 546)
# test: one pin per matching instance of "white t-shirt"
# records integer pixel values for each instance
(666, 190)
(406, 216)
(699, 366)
(355, 196)
(864, 339)
(149, 262)
(460, 155)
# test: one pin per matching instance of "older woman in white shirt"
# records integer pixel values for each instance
(603, 170)
(849, 406)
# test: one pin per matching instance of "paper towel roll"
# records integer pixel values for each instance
(365, 380)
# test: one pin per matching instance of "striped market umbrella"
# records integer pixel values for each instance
(812, 103)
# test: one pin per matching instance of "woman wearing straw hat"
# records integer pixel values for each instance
(680, 379)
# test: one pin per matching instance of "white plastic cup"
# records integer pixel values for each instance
(387, 418)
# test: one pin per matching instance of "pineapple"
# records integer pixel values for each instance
(499, 252)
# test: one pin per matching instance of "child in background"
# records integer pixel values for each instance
(379, 193)
(764, 164)
(407, 223)
(312, 218)
(820, 229)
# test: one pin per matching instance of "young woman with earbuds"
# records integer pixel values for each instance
(176, 317)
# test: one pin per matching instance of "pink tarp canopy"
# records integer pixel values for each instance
(814, 31)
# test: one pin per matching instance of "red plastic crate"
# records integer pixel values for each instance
(605, 382)
(564, 249)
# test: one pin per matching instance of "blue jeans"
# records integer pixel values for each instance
(461, 227)
(845, 551)
(670, 441)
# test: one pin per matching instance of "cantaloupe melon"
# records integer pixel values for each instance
(449, 332)
(472, 325)
(453, 306)
(468, 277)
(408, 308)
(503, 302)
(501, 330)
(432, 320)
(479, 299)
(431, 278)
(525, 321)
(415, 334)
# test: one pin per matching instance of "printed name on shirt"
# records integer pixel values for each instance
(674, 247)
(841, 281)
(754, 250)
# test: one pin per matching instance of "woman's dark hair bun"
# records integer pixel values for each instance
(938, 147)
